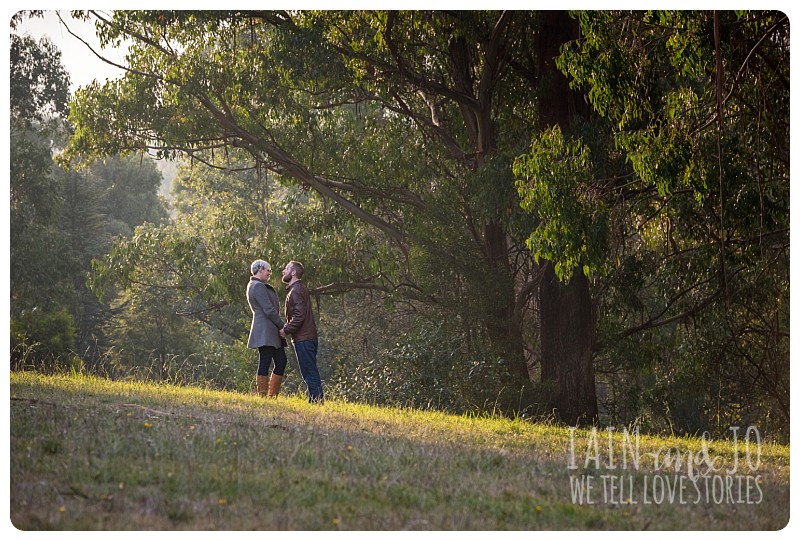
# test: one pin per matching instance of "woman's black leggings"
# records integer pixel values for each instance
(266, 354)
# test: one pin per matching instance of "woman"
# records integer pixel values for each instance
(264, 328)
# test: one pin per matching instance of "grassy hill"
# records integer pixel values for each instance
(92, 454)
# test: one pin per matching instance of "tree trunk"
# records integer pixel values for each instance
(566, 322)
(567, 341)
(505, 333)
(505, 330)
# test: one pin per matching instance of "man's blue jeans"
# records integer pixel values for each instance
(306, 351)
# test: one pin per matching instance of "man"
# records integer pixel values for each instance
(265, 329)
(301, 326)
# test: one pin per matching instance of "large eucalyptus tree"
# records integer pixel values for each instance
(408, 121)
(678, 192)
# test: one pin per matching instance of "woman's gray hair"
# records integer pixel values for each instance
(257, 265)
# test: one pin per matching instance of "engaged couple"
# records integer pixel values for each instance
(269, 332)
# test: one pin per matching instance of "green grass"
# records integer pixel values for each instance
(92, 454)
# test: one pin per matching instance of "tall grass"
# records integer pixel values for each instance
(94, 454)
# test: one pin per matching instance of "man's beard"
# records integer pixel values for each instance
(286, 278)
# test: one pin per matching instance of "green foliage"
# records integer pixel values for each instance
(636, 89)
(42, 340)
(62, 218)
(39, 85)
(572, 222)
(129, 190)
(432, 367)
(35, 194)
(177, 289)
(701, 218)
(38, 92)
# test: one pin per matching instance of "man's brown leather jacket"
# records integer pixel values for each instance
(299, 316)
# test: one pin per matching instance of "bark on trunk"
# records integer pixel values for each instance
(567, 326)
(504, 328)
(567, 340)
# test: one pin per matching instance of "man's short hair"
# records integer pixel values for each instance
(298, 268)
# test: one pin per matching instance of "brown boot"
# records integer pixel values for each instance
(262, 383)
(275, 384)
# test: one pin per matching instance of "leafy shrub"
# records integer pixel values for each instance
(43, 340)
(432, 367)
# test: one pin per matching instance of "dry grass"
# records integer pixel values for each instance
(90, 454)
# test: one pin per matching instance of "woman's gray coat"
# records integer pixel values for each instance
(264, 304)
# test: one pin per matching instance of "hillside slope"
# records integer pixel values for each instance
(91, 454)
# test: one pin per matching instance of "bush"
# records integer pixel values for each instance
(432, 368)
(43, 340)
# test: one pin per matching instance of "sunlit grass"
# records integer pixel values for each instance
(89, 453)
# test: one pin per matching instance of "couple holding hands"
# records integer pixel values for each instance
(268, 330)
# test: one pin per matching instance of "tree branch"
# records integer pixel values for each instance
(654, 321)
(299, 172)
